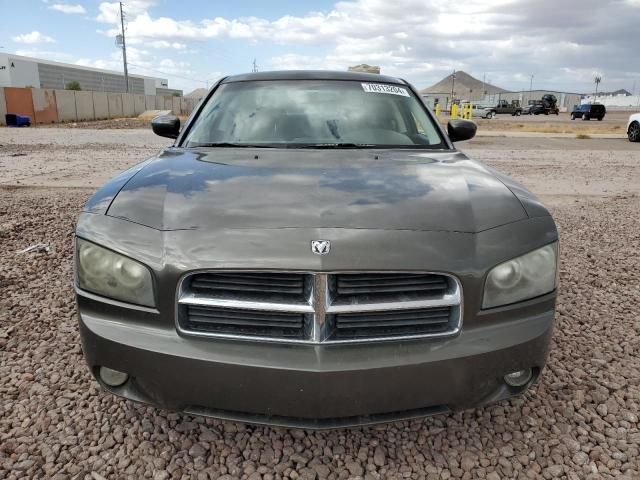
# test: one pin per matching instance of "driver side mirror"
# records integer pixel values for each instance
(166, 126)
(460, 130)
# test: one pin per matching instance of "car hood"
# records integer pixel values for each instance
(237, 188)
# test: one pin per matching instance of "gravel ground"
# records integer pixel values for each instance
(580, 421)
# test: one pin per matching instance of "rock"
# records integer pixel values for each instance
(379, 457)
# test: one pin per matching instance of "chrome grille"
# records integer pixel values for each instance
(319, 307)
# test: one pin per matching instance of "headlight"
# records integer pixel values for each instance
(524, 277)
(107, 273)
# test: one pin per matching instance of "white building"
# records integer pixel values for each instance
(19, 71)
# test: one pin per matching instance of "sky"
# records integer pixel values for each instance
(564, 44)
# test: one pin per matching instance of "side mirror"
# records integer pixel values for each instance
(166, 126)
(460, 130)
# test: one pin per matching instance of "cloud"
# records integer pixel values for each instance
(32, 38)
(423, 40)
(165, 44)
(67, 8)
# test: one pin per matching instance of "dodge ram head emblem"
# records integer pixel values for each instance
(320, 247)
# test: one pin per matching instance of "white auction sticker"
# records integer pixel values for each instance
(382, 88)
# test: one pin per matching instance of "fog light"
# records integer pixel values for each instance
(112, 377)
(518, 378)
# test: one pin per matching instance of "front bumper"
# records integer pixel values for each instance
(315, 386)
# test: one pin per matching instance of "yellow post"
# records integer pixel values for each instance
(468, 111)
(454, 111)
(438, 110)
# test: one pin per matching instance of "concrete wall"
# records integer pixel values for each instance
(115, 105)
(100, 105)
(44, 106)
(128, 107)
(149, 102)
(3, 108)
(176, 106)
(66, 102)
(84, 106)
(138, 104)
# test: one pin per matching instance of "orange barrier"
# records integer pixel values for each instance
(19, 101)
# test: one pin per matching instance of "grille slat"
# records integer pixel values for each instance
(390, 324)
(319, 307)
(349, 284)
(249, 283)
(245, 322)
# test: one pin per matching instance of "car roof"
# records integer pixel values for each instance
(313, 75)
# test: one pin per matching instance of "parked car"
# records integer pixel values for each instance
(313, 250)
(482, 111)
(534, 107)
(548, 104)
(511, 108)
(588, 111)
(633, 127)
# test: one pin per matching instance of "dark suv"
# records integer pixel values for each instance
(588, 111)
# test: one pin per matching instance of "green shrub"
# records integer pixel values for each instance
(74, 85)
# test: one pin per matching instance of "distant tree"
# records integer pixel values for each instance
(176, 94)
(74, 85)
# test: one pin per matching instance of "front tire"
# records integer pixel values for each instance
(585, 117)
(634, 132)
(600, 119)
(518, 113)
(573, 116)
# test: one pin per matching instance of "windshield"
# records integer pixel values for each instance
(313, 114)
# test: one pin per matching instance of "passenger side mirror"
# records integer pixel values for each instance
(460, 130)
(166, 126)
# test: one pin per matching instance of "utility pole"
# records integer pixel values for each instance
(453, 85)
(255, 66)
(124, 51)
(531, 86)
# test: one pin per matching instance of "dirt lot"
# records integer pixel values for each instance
(580, 421)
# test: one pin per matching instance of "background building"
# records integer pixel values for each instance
(19, 71)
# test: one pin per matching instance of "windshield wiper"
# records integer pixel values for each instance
(333, 145)
(228, 145)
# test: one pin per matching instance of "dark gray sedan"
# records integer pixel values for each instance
(313, 251)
